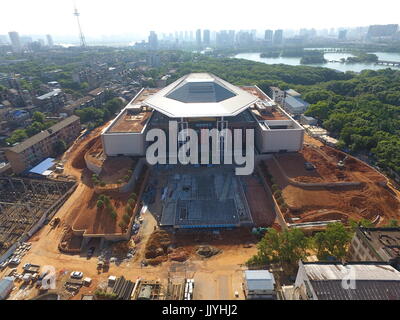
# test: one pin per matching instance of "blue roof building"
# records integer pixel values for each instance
(6, 286)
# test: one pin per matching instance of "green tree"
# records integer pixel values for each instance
(17, 136)
(60, 146)
(285, 248)
(100, 204)
(332, 242)
(38, 117)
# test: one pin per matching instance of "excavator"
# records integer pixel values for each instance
(341, 164)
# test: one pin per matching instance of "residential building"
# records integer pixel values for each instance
(268, 36)
(198, 37)
(377, 32)
(51, 101)
(153, 41)
(99, 95)
(33, 150)
(278, 37)
(206, 37)
(342, 35)
(81, 103)
(50, 42)
(351, 281)
(376, 244)
(15, 41)
(153, 60)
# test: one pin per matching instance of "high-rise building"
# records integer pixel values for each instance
(153, 41)
(206, 37)
(342, 35)
(50, 42)
(198, 37)
(231, 34)
(382, 31)
(3, 39)
(15, 41)
(268, 35)
(278, 37)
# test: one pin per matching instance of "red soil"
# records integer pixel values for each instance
(368, 201)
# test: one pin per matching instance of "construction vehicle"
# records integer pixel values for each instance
(341, 164)
(31, 268)
(259, 231)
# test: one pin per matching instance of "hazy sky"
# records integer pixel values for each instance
(106, 17)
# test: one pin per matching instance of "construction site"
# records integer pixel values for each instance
(321, 184)
(202, 198)
(25, 205)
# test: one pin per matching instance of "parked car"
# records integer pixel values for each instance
(309, 166)
(15, 261)
(76, 275)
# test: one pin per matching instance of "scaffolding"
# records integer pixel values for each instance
(26, 202)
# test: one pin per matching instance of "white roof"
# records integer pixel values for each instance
(200, 95)
(259, 280)
(357, 271)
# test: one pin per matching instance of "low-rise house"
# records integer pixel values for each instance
(99, 96)
(259, 284)
(295, 105)
(52, 100)
(308, 120)
(81, 103)
(352, 281)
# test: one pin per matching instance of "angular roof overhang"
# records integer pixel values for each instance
(200, 95)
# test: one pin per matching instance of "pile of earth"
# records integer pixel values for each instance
(158, 244)
(179, 254)
(207, 251)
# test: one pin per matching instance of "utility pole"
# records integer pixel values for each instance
(81, 35)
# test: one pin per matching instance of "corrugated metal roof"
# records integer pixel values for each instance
(200, 95)
(259, 280)
(44, 134)
(49, 94)
(6, 285)
(42, 167)
(364, 290)
(296, 103)
(357, 271)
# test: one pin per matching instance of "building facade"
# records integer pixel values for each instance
(33, 150)
(203, 101)
(376, 244)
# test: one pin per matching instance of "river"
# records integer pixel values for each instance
(356, 67)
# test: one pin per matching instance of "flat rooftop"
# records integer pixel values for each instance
(386, 241)
(274, 113)
(134, 116)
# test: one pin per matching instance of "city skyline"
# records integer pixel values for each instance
(122, 17)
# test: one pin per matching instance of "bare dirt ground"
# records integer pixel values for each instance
(217, 277)
(261, 205)
(371, 201)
